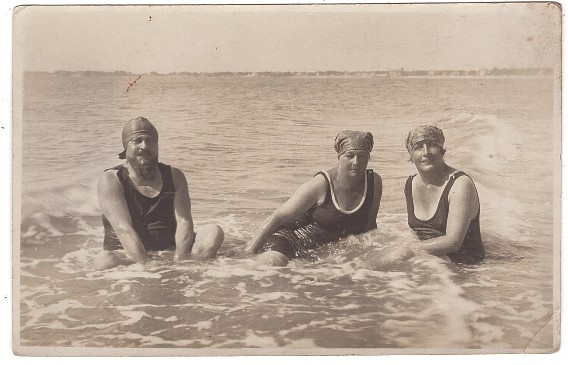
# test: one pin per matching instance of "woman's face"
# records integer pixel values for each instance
(427, 155)
(353, 162)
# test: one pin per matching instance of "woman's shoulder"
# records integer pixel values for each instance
(459, 176)
(464, 193)
(329, 172)
(375, 174)
(314, 189)
(377, 179)
(318, 181)
(463, 183)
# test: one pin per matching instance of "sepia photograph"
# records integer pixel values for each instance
(286, 179)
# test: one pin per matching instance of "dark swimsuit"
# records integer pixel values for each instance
(472, 249)
(152, 218)
(322, 223)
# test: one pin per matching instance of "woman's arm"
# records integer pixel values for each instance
(303, 199)
(378, 193)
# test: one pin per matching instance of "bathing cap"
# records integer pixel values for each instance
(134, 128)
(425, 133)
(353, 140)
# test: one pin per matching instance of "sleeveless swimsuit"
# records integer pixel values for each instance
(323, 223)
(152, 218)
(472, 249)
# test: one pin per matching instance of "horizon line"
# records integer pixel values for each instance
(401, 69)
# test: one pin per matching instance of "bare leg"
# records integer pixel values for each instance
(208, 239)
(445, 258)
(388, 258)
(109, 259)
(272, 258)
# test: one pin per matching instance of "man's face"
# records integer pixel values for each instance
(142, 155)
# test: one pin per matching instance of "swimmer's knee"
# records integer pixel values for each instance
(272, 258)
(217, 233)
(208, 240)
(106, 260)
(388, 258)
(213, 233)
(104, 255)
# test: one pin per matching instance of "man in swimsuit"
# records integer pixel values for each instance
(146, 205)
(442, 204)
(333, 204)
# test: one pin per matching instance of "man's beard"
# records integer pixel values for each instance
(144, 167)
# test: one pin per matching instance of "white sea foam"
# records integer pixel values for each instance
(306, 343)
(201, 325)
(254, 340)
(55, 308)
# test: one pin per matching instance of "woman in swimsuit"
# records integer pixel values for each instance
(335, 203)
(442, 204)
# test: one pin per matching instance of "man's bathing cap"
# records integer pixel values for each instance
(353, 140)
(134, 128)
(425, 133)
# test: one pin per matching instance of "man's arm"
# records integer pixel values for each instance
(378, 193)
(185, 234)
(464, 205)
(114, 207)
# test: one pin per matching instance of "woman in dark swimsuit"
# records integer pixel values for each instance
(333, 204)
(442, 204)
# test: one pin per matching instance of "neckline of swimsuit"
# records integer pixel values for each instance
(348, 212)
(452, 176)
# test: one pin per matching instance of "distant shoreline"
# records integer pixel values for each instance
(446, 74)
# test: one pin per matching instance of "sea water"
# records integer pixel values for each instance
(245, 145)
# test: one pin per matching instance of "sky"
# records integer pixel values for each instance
(165, 39)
